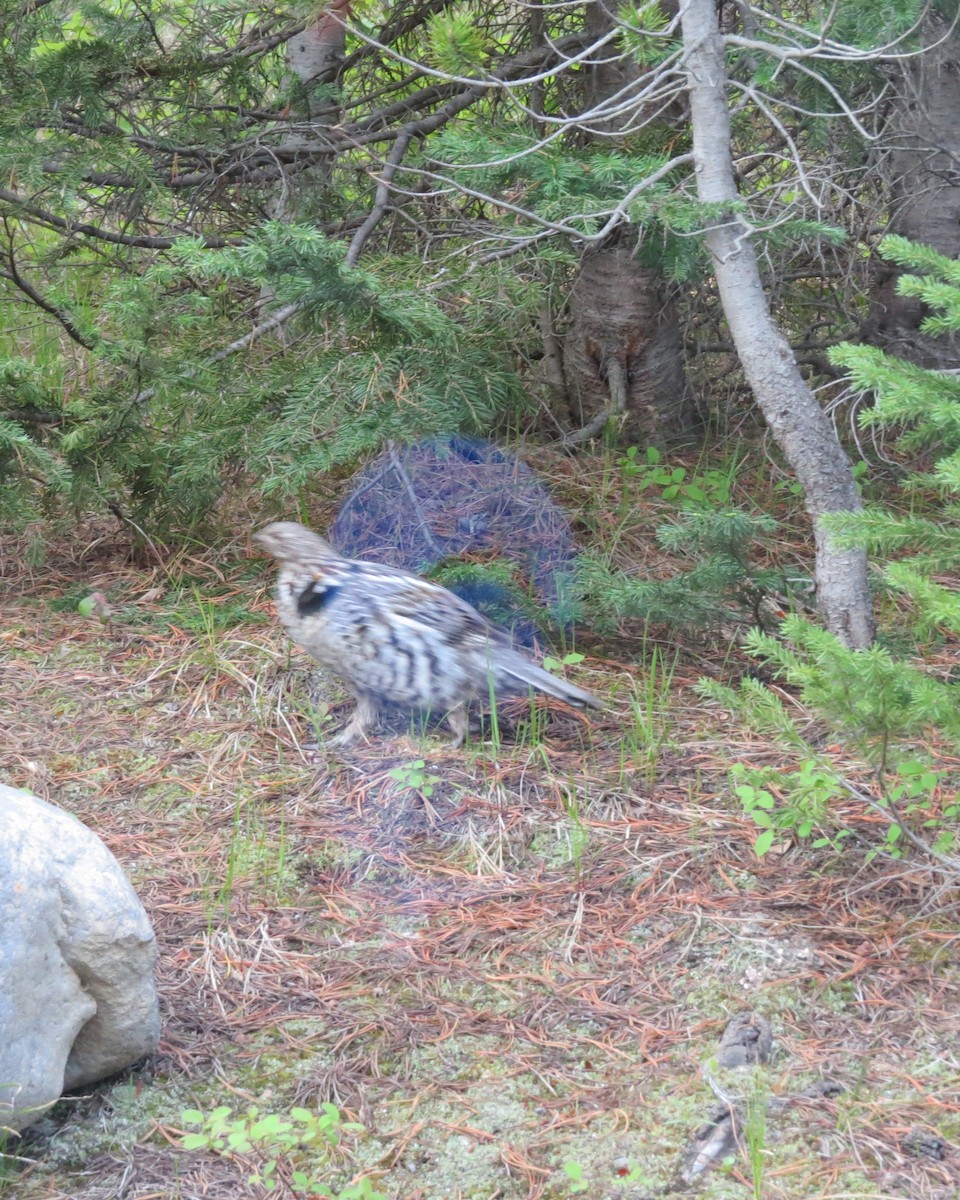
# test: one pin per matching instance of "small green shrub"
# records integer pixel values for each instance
(301, 1140)
(712, 487)
(803, 807)
(724, 585)
(415, 777)
(626, 1171)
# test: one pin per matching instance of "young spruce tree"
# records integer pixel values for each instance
(897, 711)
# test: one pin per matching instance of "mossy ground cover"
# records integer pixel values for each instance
(529, 966)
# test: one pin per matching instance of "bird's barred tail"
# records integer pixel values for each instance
(512, 671)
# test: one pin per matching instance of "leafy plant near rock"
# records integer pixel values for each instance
(294, 1146)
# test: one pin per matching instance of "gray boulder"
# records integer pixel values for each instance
(78, 1000)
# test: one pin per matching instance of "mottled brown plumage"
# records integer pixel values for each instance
(393, 637)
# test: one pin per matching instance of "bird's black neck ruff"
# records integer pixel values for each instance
(315, 597)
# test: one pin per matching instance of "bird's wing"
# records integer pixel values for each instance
(419, 602)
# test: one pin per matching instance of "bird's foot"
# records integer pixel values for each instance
(459, 721)
(346, 737)
(365, 717)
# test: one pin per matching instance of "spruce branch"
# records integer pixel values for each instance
(12, 273)
(496, 79)
(52, 221)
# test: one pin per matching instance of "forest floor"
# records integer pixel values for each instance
(501, 961)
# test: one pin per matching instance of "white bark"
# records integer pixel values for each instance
(317, 51)
(315, 54)
(796, 420)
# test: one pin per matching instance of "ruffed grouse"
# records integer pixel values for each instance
(393, 637)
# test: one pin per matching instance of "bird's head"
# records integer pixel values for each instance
(290, 542)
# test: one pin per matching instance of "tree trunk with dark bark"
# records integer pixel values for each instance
(623, 354)
(921, 161)
(798, 423)
(622, 350)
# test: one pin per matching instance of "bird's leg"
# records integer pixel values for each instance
(365, 716)
(459, 722)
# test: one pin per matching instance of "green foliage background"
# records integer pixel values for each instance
(167, 191)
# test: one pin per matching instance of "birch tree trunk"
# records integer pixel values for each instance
(795, 418)
(313, 60)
